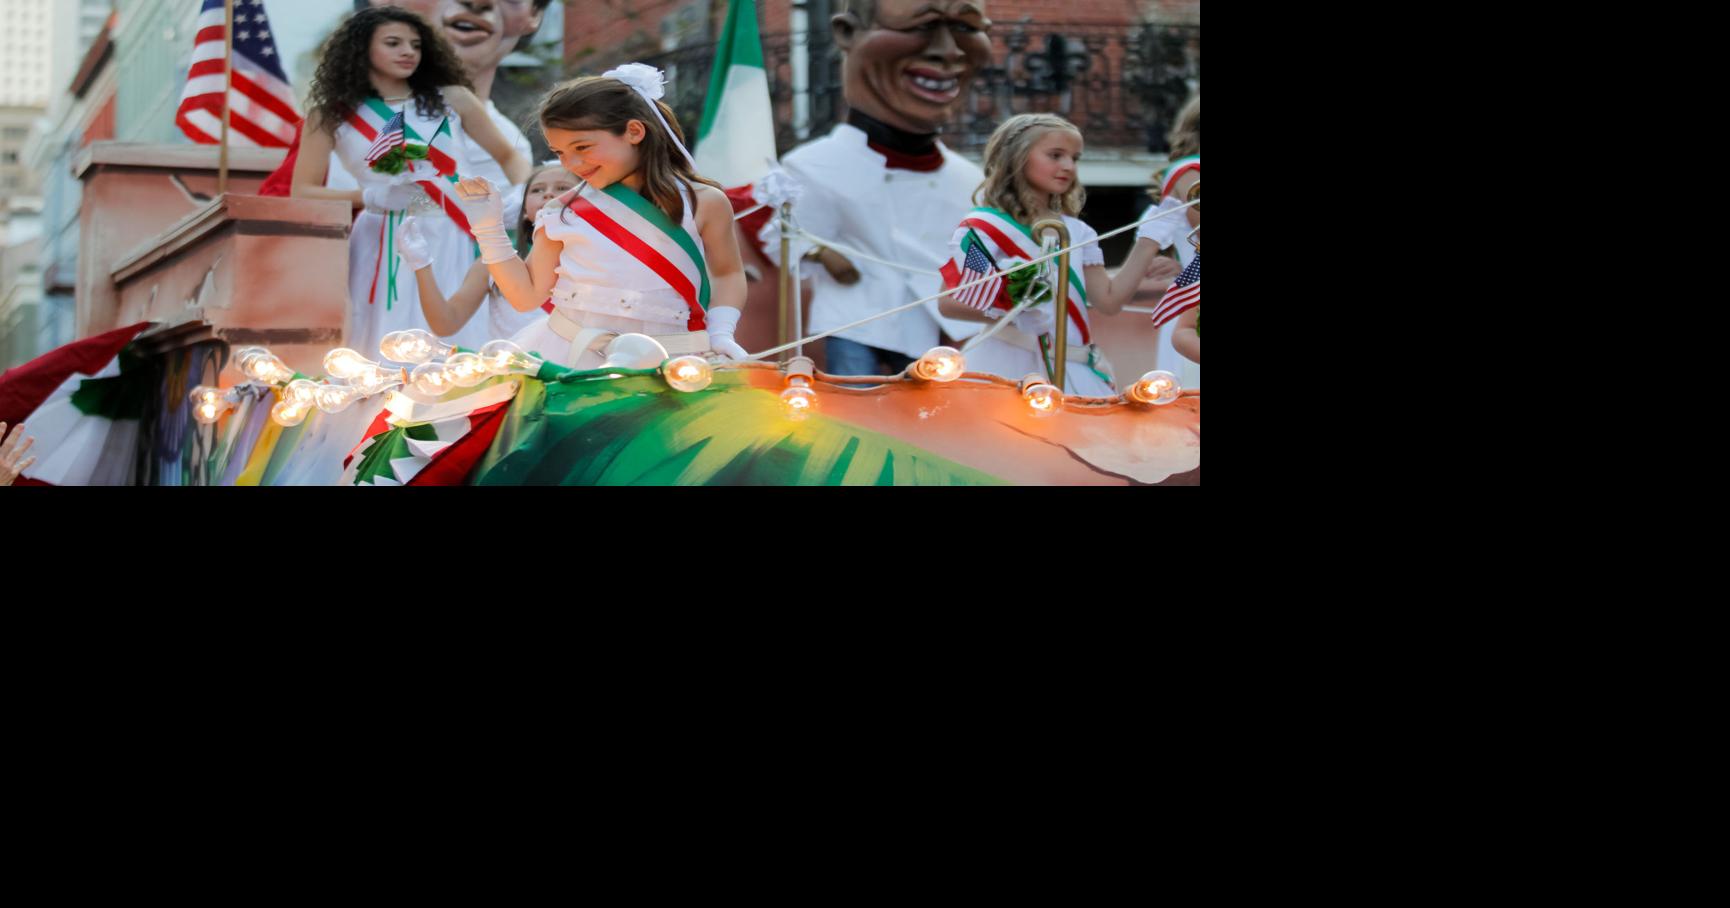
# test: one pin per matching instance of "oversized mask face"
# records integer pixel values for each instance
(474, 28)
(911, 66)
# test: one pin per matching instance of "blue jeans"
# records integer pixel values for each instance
(847, 357)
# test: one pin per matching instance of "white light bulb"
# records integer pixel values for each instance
(415, 345)
(335, 398)
(688, 373)
(1157, 388)
(431, 379)
(302, 392)
(940, 364)
(205, 394)
(466, 369)
(1043, 399)
(376, 380)
(635, 351)
(288, 415)
(799, 399)
(343, 363)
(207, 413)
(504, 358)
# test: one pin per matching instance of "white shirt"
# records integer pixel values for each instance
(852, 197)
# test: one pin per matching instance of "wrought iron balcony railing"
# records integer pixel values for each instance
(1121, 84)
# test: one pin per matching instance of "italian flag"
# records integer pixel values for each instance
(417, 445)
(736, 140)
(82, 403)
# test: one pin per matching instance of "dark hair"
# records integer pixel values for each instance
(525, 238)
(596, 102)
(343, 82)
(525, 40)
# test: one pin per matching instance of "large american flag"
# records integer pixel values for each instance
(1183, 295)
(975, 264)
(260, 104)
(389, 137)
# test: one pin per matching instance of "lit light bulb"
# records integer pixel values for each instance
(302, 392)
(1042, 397)
(415, 345)
(205, 394)
(208, 413)
(288, 415)
(375, 379)
(343, 363)
(245, 355)
(266, 367)
(798, 400)
(336, 398)
(504, 358)
(940, 364)
(635, 351)
(431, 379)
(688, 373)
(1158, 388)
(466, 369)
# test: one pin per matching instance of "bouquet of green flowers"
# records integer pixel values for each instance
(399, 159)
(1028, 283)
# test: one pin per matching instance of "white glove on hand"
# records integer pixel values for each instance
(411, 244)
(485, 209)
(1036, 320)
(393, 196)
(1167, 230)
(722, 320)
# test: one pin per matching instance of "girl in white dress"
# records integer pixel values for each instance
(642, 245)
(503, 321)
(379, 63)
(1030, 174)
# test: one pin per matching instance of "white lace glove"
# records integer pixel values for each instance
(1167, 230)
(411, 244)
(485, 210)
(722, 320)
(393, 196)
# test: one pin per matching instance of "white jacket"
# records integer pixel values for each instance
(851, 197)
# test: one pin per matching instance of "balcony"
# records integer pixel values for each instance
(1122, 84)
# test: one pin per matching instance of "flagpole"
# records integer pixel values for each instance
(227, 87)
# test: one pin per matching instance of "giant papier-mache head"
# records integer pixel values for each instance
(909, 62)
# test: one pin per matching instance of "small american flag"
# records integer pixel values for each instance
(1183, 295)
(391, 136)
(976, 263)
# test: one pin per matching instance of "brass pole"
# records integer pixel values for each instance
(788, 271)
(1060, 351)
(227, 87)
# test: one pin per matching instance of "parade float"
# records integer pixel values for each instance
(213, 354)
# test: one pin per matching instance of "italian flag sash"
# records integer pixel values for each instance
(1177, 169)
(372, 116)
(1012, 239)
(645, 233)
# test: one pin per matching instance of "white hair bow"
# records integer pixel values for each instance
(651, 83)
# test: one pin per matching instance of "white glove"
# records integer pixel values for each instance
(393, 196)
(1036, 320)
(722, 320)
(412, 245)
(485, 210)
(1167, 230)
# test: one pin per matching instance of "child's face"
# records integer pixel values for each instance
(547, 185)
(395, 50)
(1052, 162)
(596, 155)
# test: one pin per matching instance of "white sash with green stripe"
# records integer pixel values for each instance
(646, 236)
(1013, 238)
